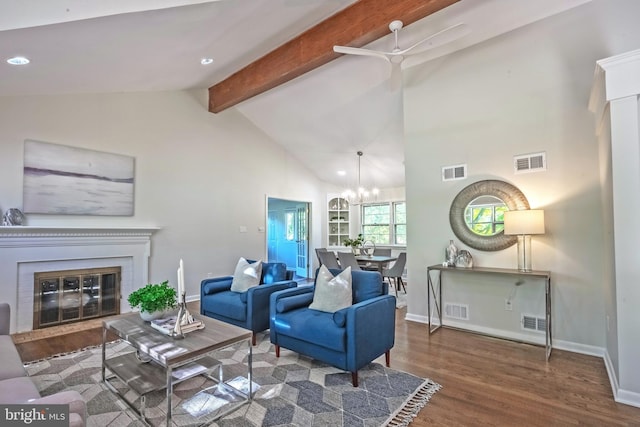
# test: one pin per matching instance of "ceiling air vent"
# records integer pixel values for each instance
(456, 311)
(525, 163)
(533, 323)
(451, 173)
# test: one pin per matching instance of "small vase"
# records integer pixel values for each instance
(451, 253)
(464, 259)
(13, 217)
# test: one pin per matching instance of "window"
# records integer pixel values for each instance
(289, 225)
(376, 220)
(485, 216)
(385, 223)
(400, 223)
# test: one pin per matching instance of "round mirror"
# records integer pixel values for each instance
(477, 214)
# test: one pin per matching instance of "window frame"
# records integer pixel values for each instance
(392, 224)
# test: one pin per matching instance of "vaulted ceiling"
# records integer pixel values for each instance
(322, 116)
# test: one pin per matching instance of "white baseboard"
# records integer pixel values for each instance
(498, 333)
(513, 335)
(589, 350)
(626, 397)
(619, 395)
(416, 318)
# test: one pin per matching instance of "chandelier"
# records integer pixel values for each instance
(360, 195)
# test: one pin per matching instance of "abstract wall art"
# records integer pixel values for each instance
(59, 179)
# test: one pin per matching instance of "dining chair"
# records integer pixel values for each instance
(395, 272)
(348, 259)
(329, 259)
(318, 250)
(382, 252)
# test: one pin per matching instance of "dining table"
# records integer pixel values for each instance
(379, 260)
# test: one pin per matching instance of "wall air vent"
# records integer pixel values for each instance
(456, 311)
(536, 162)
(451, 173)
(533, 323)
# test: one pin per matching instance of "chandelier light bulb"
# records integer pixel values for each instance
(362, 194)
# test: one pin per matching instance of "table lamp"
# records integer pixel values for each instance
(524, 223)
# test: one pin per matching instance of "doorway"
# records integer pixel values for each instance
(288, 234)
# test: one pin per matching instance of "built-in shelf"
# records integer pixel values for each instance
(337, 221)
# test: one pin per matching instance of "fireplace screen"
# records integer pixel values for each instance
(75, 295)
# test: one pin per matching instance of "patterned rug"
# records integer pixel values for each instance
(292, 390)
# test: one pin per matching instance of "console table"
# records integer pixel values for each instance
(435, 292)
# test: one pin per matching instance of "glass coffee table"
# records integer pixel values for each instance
(158, 362)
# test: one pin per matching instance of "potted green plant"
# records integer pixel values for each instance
(355, 244)
(153, 300)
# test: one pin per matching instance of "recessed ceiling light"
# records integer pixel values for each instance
(18, 60)
(206, 61)
(341, 173)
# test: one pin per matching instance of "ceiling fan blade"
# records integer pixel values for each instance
(439, 38)
(358, 51)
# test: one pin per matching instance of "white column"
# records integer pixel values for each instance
(614, 98)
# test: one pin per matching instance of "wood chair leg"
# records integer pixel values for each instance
(387, 358)
(277, 351)
(354, 378)
(253, 339)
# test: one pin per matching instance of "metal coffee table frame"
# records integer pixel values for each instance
(167, 356)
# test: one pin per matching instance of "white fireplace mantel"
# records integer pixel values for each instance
(7, 234)
(28, 249)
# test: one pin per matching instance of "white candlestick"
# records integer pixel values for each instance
(182, 290)
(179, 286)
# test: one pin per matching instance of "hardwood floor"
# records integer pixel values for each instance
(486, 381)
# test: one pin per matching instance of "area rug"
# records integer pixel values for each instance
(293, 390)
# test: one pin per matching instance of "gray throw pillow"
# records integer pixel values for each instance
(332, 293)
(246, 275)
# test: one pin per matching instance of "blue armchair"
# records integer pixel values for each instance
(250, 309)
(348, 339)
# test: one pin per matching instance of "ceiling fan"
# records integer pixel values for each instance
(397, 55)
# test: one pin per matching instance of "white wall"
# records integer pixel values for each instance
(199, 176)
(526, 91)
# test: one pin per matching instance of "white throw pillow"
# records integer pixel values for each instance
(332, 293)
(246, 275)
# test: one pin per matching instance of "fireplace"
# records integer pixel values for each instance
(27, 250)
(69, 296)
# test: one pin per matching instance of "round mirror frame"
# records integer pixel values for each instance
(509, 194)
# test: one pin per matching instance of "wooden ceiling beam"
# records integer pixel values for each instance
(357, 25)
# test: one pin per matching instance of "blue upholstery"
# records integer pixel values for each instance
(348, 339)
(250, 309)
(274, 272)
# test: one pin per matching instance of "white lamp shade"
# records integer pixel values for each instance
(524, 222)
